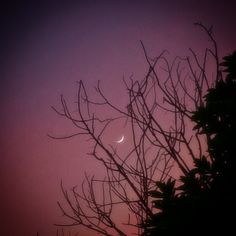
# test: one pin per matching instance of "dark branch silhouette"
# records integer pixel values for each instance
(204, 200)
(163, 144)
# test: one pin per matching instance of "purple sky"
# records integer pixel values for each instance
(45, 49)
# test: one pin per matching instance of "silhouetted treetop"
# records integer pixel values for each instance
(176, 116)
(204, 201)
(230, 64)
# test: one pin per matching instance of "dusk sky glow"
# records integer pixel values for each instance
(45, 48)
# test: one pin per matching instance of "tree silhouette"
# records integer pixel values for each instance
(160, 116)
(204, 202)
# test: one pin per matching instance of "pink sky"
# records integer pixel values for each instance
(45, 49)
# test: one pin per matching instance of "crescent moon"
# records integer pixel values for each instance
(121, 140)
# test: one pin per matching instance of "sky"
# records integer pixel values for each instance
(45, 48)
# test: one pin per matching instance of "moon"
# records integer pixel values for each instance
(121, 140)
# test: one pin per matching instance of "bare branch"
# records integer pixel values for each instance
(158, 115)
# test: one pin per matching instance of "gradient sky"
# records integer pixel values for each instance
(45, 49)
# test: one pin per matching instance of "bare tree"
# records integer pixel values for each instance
(163, 143)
